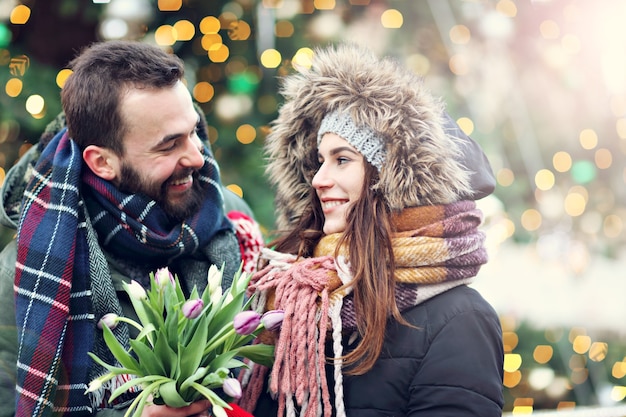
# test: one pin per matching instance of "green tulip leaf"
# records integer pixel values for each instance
(171, 397)
(149, 362)
(118, 351)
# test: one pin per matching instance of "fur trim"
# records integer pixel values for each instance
(422, 162)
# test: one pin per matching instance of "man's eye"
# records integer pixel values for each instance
(171, 147)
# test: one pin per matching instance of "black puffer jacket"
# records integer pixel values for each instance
(450, 365)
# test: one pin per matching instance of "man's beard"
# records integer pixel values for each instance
(131, 182)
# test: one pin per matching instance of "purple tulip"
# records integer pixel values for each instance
(193, 308)
(163, 276)
(273, 319)
(109, 320)
(232, 388)
(246, 322)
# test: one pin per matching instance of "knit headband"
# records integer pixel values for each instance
(363, 138)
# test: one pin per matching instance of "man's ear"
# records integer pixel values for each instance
(102, 161)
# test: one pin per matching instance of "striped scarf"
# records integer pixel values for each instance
(62, 281)
(436, 248)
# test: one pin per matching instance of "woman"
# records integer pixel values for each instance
(374, 191)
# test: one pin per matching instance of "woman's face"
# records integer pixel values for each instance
(338, 181)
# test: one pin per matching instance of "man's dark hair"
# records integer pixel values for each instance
(102, 74)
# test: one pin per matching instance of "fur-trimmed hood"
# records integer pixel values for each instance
(425, 160)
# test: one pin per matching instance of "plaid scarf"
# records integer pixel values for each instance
(436, 248)
(59, 290)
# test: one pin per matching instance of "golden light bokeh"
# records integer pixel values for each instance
(562, 161)
(392, 19)
(507, 8)
(575, 204)
(203, 92)
(510, 340)
(235, 189)
(505, 177)
(549, 29)
(283, 29)
(512, 362)
(62, 77)
(211, 41)
(20, 14)
(270, 58)
(460, 34)
(581, 344)
(588, 139)
(210, 25)
(603, 158)
(13, 87)
(598, 351)
(466, 124)
(185, 30)
(219, 53)
(544, 179)
(246, 134)
(303, 58)
(511, 379)
(169, 5)
(239, 30)
(165, 35)
(543, 353)
(619, 370)
(459, 64)
(324, 4)
(531, 220)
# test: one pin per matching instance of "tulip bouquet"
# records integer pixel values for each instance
(186, 349)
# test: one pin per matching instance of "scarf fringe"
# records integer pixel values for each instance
(99, 399)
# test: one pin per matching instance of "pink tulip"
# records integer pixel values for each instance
(273, 319)
(163, 276)
(109, 320)
(246, 322)
(232, 387)
(193, 308)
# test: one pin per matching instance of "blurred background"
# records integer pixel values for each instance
(541, 85)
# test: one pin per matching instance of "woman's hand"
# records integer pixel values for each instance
(197, 409)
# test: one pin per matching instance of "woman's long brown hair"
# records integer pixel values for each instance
(370, 253)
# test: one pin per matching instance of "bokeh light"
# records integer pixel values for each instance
(246, 134)
(184, 30)
(270, 58)
(210, 25)
(203, 92)
(170, 5)
(13, 87)
(392, 19)
(20, 14)
(36, 105)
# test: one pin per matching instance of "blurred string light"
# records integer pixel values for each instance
(169, 5)
(13, 87)
(235, 189)
(5, 36)
(391, 19)
(583, 351)
(20, 15)
(36, 106)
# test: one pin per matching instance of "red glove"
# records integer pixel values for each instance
(237, 411)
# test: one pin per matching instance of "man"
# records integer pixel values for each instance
(128, 187)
